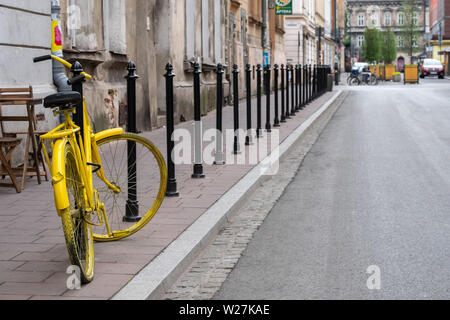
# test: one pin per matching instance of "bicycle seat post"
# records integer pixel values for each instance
(77, 69)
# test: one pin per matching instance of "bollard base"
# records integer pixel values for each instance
(132, 212)
(219, 161)
(249, 141)
(259, 133)
(198, 172)
(171, 190)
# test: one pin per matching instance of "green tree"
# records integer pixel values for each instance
(389, 46)
(410, 29)
(371, 49)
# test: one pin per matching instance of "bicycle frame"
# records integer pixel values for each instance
(86, 153)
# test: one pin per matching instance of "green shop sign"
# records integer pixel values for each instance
(283, 7)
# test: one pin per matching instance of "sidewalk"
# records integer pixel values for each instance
(33, 255)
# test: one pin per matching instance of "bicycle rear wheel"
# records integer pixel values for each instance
(125, 158)
(76, 221)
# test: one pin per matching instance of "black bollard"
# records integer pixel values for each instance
(300, 87)
(293, 111)
(267, 85)
(219, 158)
(304, 87)
(287, 110)
(258, 102)
(248, 86)
(317, 81)
(322, 79)
(311, 82)
(236, 146)
(171, 190)
(276, 122)
(297, 104)
(314, 82)
(132, 206)
(198, 157)
(283, 107)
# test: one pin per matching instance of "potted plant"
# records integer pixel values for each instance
(397, 76)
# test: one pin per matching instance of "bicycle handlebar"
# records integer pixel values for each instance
(42, 58)
(64, 62)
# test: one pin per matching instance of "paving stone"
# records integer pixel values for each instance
(32, 231)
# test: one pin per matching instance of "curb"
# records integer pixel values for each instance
(160, 274)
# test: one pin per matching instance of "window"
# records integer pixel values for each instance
(208, 43)
(400, 41)
(387, 19)
(361, 20)
(360, 41)
(401, 18)
(190, 29)
(375, 19)
(415, 18)
(415, 41)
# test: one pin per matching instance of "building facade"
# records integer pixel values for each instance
(255, 35)
(383, 15)
(440, 30)
(300, 35)
(313, 32)
(105, 35)
(25, 35)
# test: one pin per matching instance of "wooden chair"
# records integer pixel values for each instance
(24, 97)
(7, 146)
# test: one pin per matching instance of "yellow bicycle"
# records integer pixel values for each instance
(107, 185)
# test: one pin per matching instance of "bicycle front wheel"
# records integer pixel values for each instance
(76, 220)
(134, 165)
(355, 82)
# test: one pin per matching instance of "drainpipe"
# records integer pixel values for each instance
(59, 76)
(265, 33)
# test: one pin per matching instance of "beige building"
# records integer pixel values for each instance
(253, 32)
(300, 35)
(104, 35)
(383, 14)
(326, 53)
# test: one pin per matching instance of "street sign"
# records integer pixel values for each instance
(266, 59)
(283, 7)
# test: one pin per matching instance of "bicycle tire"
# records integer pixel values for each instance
(355, 81)
(349, 79)
(373, 80)
(116, 204)
(76, 221)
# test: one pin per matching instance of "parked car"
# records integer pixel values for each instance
(431, 67)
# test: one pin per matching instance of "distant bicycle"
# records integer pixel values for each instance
(366, 77)
(350, 77)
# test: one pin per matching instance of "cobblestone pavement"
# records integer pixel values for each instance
(205, 276)
(33, 255)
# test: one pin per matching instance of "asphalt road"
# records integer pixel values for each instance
(373, 191)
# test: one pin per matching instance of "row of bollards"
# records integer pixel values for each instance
(298, 86)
